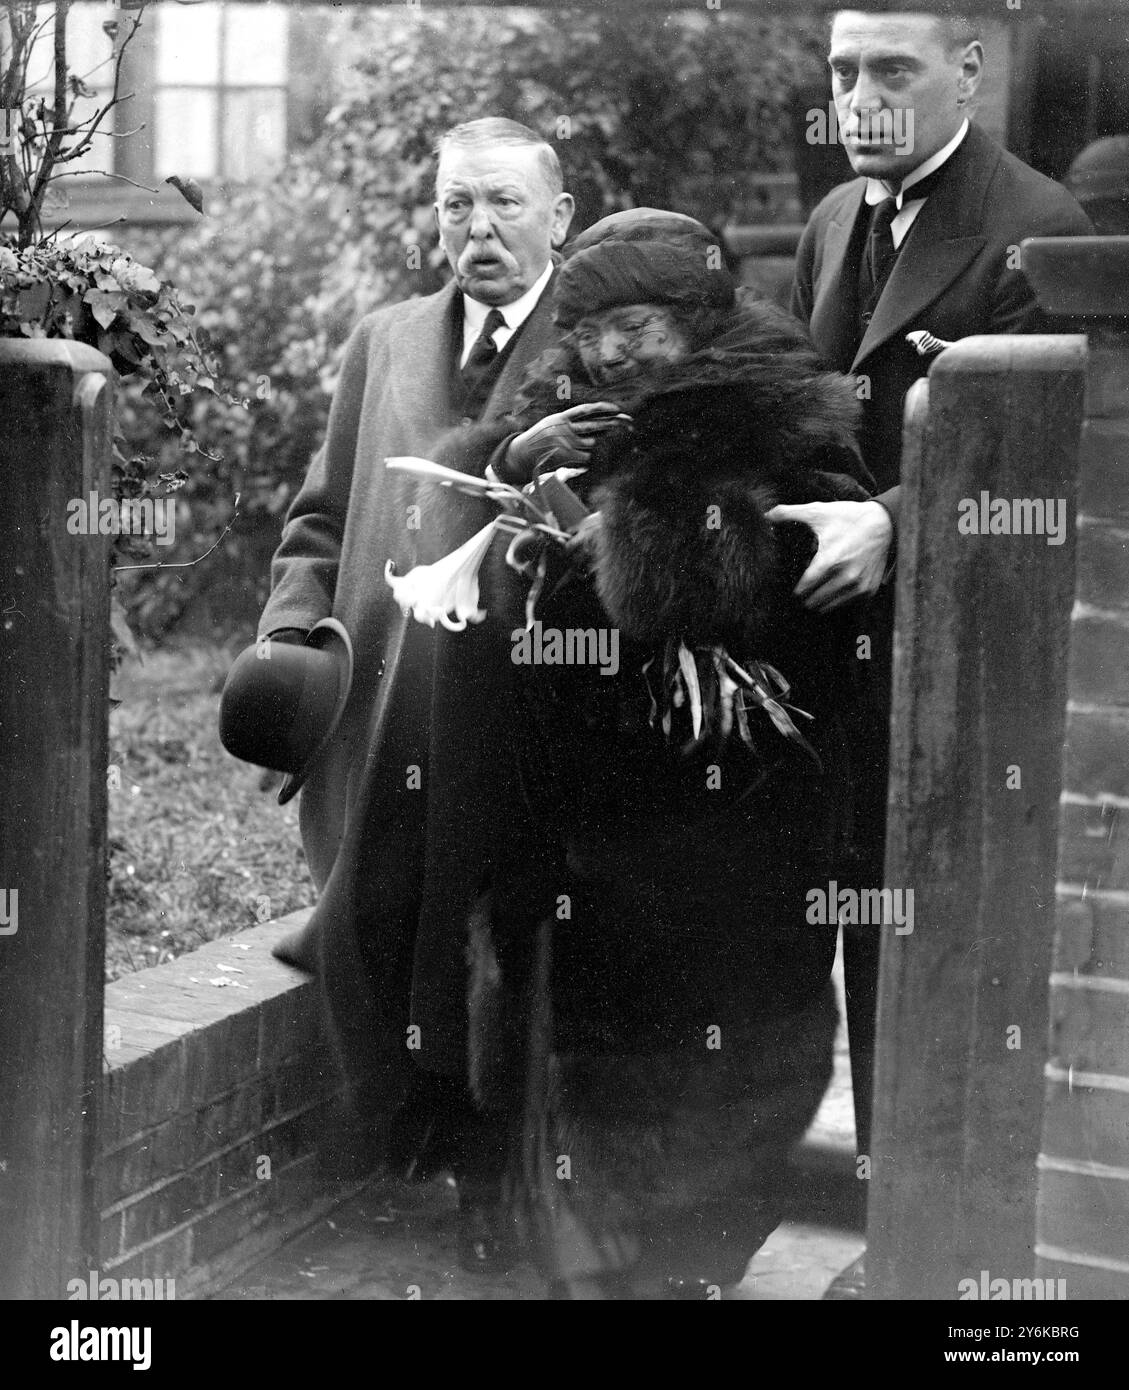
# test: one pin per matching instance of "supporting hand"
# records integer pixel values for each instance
(853, 539)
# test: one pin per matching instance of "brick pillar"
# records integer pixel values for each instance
(1083, 1199)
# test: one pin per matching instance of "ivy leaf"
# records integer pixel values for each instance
(147, 333)
(104, 306)
(33, 301)
(121, 344)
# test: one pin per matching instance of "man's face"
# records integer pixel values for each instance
(618, 344)
(897, 64)
(498, 221)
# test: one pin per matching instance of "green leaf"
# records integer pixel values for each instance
(104, 306)
(33, 301)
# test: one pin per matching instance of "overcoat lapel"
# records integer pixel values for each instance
(945, 238)
(421, 357)
(422, 354)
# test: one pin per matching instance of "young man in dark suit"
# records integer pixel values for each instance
(926, 238)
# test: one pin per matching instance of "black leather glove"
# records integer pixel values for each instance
(564, 439)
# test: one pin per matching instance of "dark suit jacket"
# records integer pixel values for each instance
(952, 277)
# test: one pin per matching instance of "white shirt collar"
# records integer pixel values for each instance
(877, 191)
(515, 314)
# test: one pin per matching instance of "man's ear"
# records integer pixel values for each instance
(563, 209)
(971, 71)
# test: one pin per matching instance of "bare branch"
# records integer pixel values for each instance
(89, 129)
(187, 564)
(113, 222)
(84, 144)
(84, 173)
(59, 116)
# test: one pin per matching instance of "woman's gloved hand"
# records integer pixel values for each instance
(564, 439)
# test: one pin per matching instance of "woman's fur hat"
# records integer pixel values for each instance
(683, 275)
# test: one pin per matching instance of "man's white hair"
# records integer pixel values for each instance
(496, 130)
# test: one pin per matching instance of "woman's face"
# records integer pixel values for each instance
(620, 343)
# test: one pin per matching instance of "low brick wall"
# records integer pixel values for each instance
(213, 1101)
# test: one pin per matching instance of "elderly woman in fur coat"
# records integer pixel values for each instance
(649, 1001)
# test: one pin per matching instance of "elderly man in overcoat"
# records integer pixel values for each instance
(398, 816)
(926, 238)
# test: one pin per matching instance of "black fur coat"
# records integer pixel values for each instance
(659, 849)
(675, 878)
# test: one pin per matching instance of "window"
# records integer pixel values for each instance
(220, 90)
(209, 83)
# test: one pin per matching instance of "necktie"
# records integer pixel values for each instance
(482, 354)
(880, 250)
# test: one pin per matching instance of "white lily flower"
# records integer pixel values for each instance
(431, 593)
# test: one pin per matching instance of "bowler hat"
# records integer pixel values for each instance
(281, 703)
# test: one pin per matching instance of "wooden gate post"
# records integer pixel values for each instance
(55, 402)
(979, 695)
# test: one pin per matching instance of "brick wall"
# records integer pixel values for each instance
(214, 1098)
(1083, 1209)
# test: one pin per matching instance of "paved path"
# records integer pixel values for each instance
(396, 1241)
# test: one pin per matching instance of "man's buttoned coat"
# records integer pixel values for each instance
(957, 274)
(398, 815)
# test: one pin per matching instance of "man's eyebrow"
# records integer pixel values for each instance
(460, 185)
(907, 60)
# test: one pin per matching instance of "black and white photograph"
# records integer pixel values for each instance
(564, 665)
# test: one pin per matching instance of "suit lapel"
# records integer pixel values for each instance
(945, 238)
(832, 317)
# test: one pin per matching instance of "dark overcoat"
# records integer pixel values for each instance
(394, 818)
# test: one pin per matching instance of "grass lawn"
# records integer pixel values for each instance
(199, 846)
